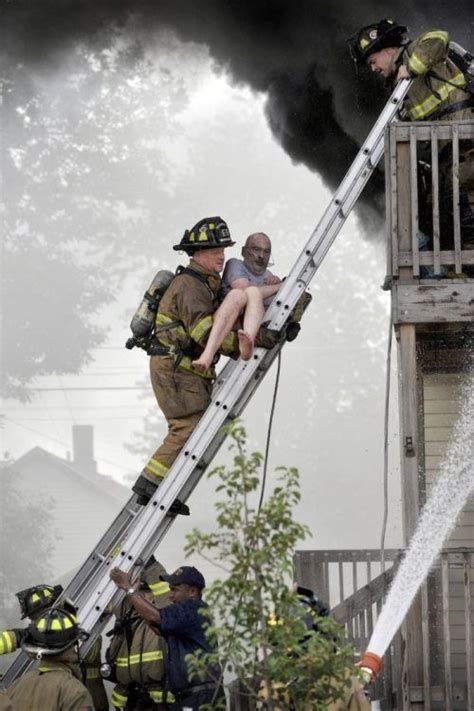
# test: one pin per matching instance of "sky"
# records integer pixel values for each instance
(110, 161)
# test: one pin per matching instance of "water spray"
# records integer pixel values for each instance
(453, 486)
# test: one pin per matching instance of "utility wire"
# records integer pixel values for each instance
(269, 432)
(63, 444)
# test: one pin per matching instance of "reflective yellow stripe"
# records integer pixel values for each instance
(92, 673)
(228, 344)
(160, 588)
(185, 364)
(416, 65)
(158, 696)
(163, 320)
(430, 104)
(436, 34)
(119, 700)
(201, 328)
(139, 658)
(7, 642)
(156, 468)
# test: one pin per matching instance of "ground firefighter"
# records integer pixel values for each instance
(441, 90)
(354, 698)
(33, 602)
(54, 685)
(137, 653)
(183, 322)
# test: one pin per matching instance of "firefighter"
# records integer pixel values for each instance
(33, 602)
(54, 685)
(439, 91)
(183, 624)
(136, 655)
(183, 322)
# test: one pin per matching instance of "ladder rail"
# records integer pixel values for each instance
(137, 531)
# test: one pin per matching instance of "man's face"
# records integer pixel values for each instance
(383, 62)
(210, 259)
(179, 593)
(256, 254)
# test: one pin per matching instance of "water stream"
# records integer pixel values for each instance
(449, 494)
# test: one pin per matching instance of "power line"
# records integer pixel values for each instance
(63, 444)
(89, 387)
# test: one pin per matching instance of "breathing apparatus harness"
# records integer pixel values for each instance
(149, 342)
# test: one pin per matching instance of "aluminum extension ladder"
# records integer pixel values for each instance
(137, 530)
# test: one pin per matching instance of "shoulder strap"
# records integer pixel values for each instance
(200, 277)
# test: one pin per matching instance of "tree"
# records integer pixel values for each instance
(26, 562)
(264, 635)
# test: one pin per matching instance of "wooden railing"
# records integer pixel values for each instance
(426, 237)
(446, 622)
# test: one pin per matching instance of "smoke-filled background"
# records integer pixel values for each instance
(123, 124)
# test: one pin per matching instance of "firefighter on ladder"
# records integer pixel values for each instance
(440, 91)
(34, 601)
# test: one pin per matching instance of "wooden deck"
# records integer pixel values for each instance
(446, 621)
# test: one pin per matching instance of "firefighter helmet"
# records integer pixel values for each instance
(209, 233)
(52, 632)
(375, 37)
(37, 599)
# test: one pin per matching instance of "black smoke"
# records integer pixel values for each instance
(319, 108)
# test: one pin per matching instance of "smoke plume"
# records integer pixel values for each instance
(318, 107)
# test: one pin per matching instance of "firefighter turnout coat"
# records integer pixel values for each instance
(52, 686)
(438, 82)
(183, 322)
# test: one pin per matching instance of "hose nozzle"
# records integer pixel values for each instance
(370, 664)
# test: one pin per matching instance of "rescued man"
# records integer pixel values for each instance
(248, 286)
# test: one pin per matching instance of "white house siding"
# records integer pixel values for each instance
(442, 397)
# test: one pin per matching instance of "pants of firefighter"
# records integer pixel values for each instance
(96, 689)
(183, 398)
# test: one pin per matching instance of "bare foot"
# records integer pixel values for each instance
(202, 363)
(245, 345)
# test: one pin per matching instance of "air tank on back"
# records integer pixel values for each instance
(144, 317)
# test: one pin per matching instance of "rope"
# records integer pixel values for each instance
(388, 368)
(269, 432)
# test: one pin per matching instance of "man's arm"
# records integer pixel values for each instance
(144, 608)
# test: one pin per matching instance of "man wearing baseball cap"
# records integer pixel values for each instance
(183, 624)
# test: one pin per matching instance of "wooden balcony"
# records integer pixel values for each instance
(430, 251)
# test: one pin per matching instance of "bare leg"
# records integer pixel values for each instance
(224, 319)
(252, 319)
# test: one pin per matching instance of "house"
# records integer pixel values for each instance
(79, 502)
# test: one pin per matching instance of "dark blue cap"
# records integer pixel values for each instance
(186, 575)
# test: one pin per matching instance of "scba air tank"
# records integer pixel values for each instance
(144, 317)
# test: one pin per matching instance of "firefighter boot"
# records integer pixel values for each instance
(145, 489)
